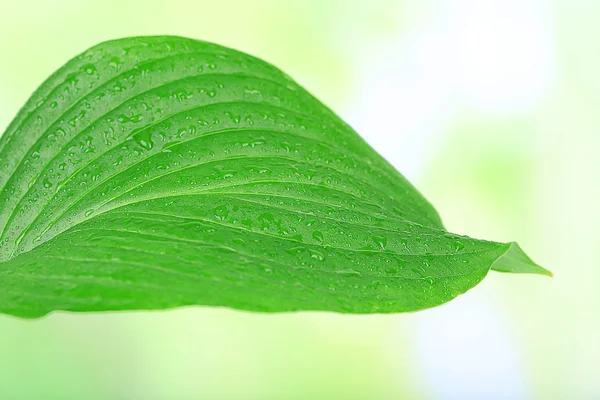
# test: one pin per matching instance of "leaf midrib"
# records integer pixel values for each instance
(286, 238)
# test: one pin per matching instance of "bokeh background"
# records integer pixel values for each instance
(491, 107)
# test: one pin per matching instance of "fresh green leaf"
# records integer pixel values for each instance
(157, 172)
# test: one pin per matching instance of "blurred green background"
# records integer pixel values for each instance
(491, 107)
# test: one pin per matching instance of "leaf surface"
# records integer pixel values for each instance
(156, 172)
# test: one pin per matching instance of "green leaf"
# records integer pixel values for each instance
(157, 172)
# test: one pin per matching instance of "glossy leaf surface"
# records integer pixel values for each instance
(157, 172)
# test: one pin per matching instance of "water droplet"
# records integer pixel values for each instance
(221, 212)
(115, 63)
(89, 69)
(318, 236)
(316, 255)
(296, 250)
(381, 241)
(404, 244)
(144, 139)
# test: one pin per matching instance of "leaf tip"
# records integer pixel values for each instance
(516, 261)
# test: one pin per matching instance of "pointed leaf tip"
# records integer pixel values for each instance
(516, 261)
